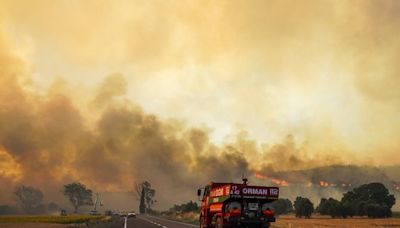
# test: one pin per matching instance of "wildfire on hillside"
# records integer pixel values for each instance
(321, 183)
(274, 180)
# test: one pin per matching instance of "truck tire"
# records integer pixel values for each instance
(201, 222)
(218, 223)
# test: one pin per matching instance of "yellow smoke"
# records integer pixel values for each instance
(203, 89)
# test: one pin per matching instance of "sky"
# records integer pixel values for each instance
(321, 75)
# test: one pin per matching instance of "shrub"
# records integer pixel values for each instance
(303, 207)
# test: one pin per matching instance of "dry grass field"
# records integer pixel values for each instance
(44, 221)
(33, 225)
(291, 222)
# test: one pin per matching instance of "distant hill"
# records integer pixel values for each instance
(341, 176)
(393, 172)
(331, 181)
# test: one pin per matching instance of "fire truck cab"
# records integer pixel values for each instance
(236, 205)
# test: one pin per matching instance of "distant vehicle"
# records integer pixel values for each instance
(116, 213)
(63, 212)
(123, 214)
(108, 213)
(131, 214)
(93, 212)
(236, 205)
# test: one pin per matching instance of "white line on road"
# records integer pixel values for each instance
(157, 224)
(126, 222)
(167, 220)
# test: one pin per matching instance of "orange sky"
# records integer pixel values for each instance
(326, 72)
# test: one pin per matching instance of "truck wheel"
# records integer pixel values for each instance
(201, 222)
(218, 223)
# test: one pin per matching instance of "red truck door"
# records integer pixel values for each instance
(205, 208)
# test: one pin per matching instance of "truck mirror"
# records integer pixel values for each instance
(199, 192)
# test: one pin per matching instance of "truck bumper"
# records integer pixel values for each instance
(257, 222)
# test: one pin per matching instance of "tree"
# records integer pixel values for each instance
(30, 199)
(8, 210)
(372, 200)
(78, 195)
(145, 194)
(142, 205)
(330, 207)
(303, 207)
(185, 207)
(282, 206)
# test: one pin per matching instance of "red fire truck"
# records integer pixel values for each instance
(236, 205)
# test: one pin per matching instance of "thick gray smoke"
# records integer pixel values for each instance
(49, 138)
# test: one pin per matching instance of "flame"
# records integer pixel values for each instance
(322, 183)
(327, 184)
(260, 176)
(280, 182)
(277, 181)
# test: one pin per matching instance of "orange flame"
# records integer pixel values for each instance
(280, 182)
(260, 176)
(327, 184)
(277, 181)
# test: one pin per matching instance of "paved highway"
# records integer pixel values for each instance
(144, 221)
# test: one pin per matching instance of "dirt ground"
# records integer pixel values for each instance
(291, 222)
(32, 225)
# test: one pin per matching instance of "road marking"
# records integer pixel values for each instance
(126, 222)
(157, 224)
(167, 220)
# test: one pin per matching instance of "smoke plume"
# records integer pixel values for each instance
(110, 94)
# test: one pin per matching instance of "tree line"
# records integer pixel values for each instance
(30, 200)
(372, 200)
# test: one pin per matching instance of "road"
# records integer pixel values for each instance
(144, 221)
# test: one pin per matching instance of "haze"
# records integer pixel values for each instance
(183, 92)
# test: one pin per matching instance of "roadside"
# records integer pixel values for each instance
(186, 217)
(60, 221)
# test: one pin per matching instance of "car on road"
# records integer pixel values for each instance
(131, 214)
(94, 212)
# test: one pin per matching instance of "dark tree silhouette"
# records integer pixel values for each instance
(142, 205)
(185, 207)
(8, 210)
(30, 199)
(78, 195)
(330, 207)
(145, 194)
(372, 200)
(303, 207)
(282, 206)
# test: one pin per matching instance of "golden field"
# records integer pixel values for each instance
(34, 225)
(290, 221)
(48, 220)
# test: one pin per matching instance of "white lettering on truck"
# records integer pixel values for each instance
(255, 191)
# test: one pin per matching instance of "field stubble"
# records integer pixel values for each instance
(320, 221)
(290, 221)
(44, 221)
